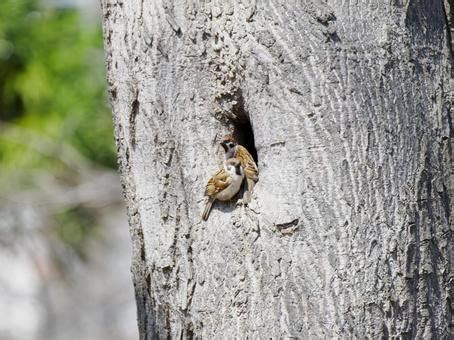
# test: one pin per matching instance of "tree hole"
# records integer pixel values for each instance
(244, 135)
(242, 128)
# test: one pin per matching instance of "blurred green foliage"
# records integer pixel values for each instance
(54, 118)
(74, 227)
(51, 83)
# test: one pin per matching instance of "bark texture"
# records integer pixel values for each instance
(348, 234)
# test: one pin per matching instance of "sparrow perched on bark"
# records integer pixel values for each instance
(233, 149)
(224, 184)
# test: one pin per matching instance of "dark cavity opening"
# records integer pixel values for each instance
(242, 128)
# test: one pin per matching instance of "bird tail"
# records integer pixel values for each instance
(206, 211)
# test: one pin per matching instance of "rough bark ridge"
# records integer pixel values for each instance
(348, 234)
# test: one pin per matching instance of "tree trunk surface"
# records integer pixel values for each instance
(346, 103)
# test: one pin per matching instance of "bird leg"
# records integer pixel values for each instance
(248, 192)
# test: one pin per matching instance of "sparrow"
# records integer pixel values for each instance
(233, 149)
(224, 184)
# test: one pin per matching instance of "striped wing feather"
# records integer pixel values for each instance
(247, 161)
(218, 182)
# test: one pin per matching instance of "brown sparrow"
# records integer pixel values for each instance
(224, 184)
(233, 149)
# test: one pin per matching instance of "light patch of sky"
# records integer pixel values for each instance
(90, 9)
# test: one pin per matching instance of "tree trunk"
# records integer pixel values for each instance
(346, 105)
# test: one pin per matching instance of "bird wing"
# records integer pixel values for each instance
(218, 182)
(247, 161)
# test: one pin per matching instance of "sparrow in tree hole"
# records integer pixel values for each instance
(224, 184)
(233, 149)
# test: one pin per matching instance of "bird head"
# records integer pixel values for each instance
(228, 143)
(234, 163)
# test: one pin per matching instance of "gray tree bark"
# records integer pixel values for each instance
(348, 234)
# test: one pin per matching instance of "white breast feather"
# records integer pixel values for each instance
(234, 186)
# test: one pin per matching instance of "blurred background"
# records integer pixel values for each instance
(64, 241)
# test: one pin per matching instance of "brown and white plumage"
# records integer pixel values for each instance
(224, 184)
(233, 149)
